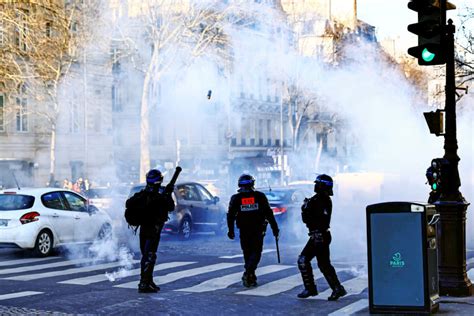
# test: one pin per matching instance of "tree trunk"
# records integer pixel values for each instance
(145, 118)
(52, 155)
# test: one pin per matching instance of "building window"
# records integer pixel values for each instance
(2, 32)
(21, 110)
(269, 132)
(48, 29)
(2, 113)
(74, 118)
(22, 29)
(116, 102)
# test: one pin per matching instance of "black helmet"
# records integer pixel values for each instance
(246, 181)
(323, 183)
(154, 176)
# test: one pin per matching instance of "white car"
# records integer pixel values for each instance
(44, 218)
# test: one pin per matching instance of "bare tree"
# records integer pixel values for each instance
(39, 45)
(178, 33)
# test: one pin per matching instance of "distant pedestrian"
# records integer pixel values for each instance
(316, 214)
(67, 184)
(250, 209)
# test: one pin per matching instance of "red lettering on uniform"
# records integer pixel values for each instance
(248, 201)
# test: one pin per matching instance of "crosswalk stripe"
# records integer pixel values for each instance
(226, 281)
(171, 277)
(470, 274)
(102, 277)
(45, 266)
(23, 261)
(241, 255)
(18, 294)
(275, 287)
(29, 277)
(352, 308)
(352, 286)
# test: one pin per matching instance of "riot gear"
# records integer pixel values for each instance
(154, 177)
(154, 207)
(246, 181)
(323, 184)
(250, 210)
(316, 214)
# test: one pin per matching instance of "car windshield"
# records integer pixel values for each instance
(277, 195)
(10, 202)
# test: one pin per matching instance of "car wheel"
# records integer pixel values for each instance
(105, 233)
(44, 244)
(185, 228)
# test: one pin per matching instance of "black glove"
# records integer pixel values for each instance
(169, 188)
(276, 232)
(231, 235)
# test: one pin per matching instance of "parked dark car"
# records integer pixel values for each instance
(195, 210)
(286, 202)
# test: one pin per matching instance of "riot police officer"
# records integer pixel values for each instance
(153, 203)
(316, 214)
(251, 211)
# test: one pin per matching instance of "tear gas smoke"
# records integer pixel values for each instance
(383, 146)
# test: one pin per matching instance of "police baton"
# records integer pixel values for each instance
(278, 248)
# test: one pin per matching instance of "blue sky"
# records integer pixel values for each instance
(391, 17)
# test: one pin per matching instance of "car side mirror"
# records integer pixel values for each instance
(215, 199)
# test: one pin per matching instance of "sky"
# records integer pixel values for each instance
(391, 17)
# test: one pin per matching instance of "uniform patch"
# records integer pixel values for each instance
(247, 201)
(248, 204)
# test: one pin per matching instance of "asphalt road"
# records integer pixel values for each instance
(197, 277)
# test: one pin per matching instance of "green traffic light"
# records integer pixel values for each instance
(426, 55)
(434, 186)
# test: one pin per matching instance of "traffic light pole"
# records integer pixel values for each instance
(452, 207)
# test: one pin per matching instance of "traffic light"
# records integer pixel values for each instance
(437, 174)
(430, 30)
(435, 121)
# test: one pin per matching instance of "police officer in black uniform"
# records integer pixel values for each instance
(155, 202)
(251, 211)
(316, 214)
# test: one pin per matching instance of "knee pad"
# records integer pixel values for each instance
(302, 263)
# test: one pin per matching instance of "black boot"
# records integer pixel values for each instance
(338, 292)
(153, 285)
(246, 279)
(252, 279)
(307, 292)
(146, 287)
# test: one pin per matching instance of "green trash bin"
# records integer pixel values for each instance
(402, 258)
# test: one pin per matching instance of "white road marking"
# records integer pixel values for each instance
(226, 281)
(353, 287)
(29, 277)
(23, 261)
(352, 308)
(102, 277)
(171, 277)
(275, 287)
(45, 266)
(18, 294)
(241, 255)
(470, 274)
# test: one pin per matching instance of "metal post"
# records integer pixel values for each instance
(282, 164)
(452, 207)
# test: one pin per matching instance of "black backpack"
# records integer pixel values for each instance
(134, 210)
